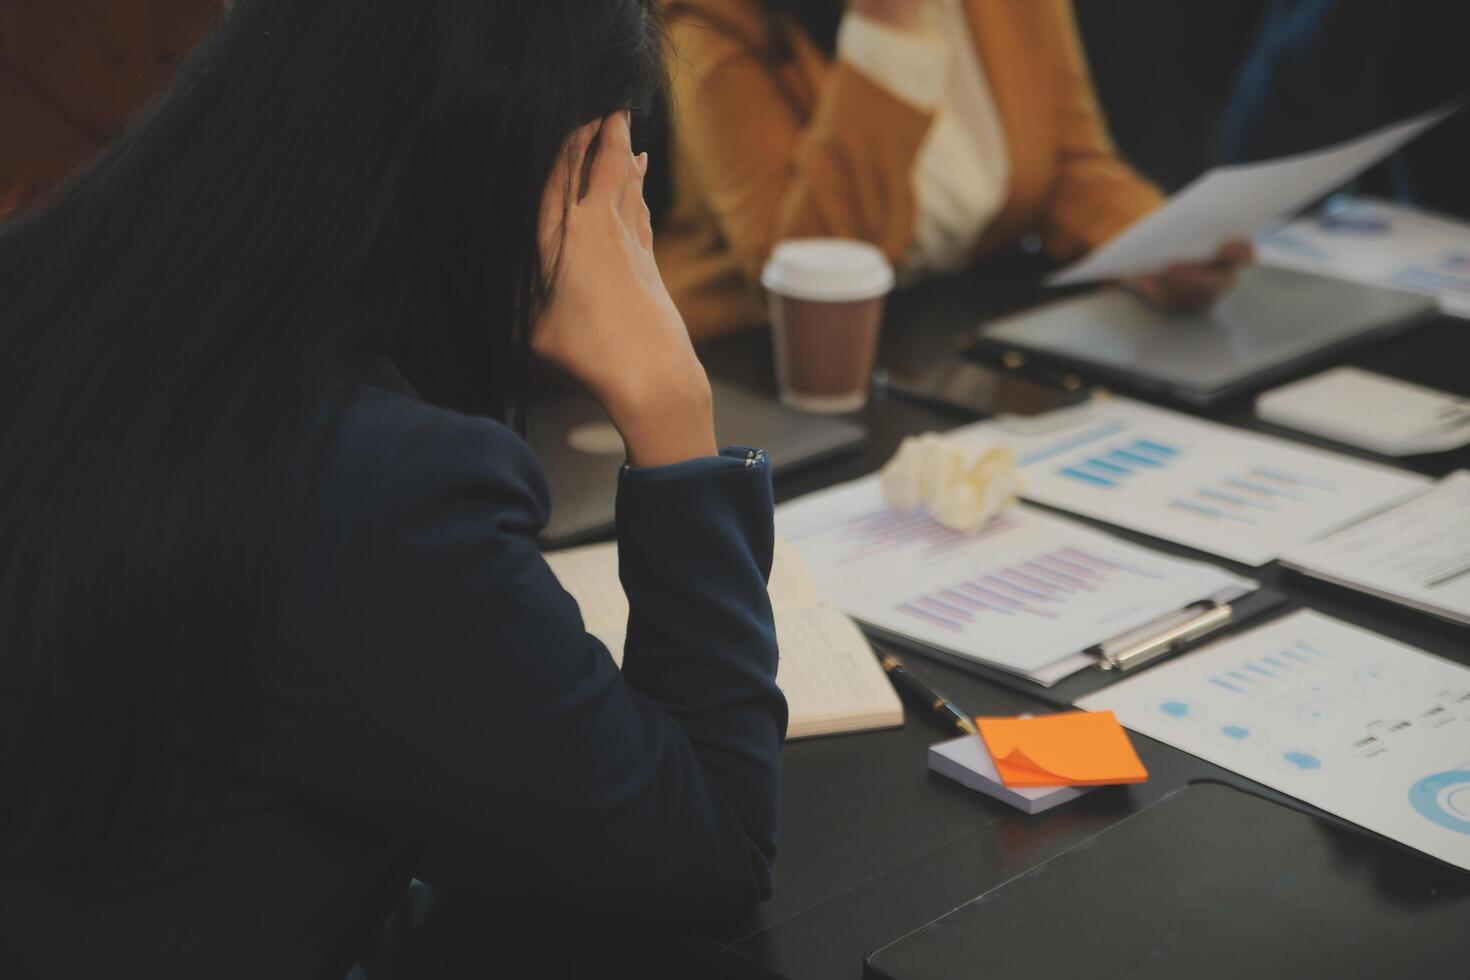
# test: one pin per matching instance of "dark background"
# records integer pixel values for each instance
(1164, 71)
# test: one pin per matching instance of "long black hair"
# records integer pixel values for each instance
(324, 184)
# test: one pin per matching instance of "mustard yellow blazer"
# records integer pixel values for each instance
(768, 147)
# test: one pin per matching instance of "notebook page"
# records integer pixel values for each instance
(590, 574)
(829, 675)
(791, 585)
(614, 640)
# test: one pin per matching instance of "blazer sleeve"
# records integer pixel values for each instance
(767, 172)
(1096, 194)
(443, 687)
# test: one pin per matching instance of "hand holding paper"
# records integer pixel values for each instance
(1238, 202)
(1195, 285)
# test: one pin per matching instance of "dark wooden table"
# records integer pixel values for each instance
(872, 844)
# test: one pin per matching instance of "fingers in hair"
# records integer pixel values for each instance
(613, 169)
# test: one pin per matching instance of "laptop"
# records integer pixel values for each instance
(582, 453)
(1275, 324)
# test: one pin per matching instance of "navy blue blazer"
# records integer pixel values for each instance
(436, 701)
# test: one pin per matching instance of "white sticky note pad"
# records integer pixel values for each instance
(1378, 413)
(967, 761)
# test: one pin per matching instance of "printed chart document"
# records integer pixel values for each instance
(1416, 554)
(832, 681)
(1238, 202)
(1373, 731)
(1229, 492)
(1028, 593)
(1379, 243)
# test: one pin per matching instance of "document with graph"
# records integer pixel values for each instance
(1364, 727)
(1226, 491)
(1417, 553)
(1031, 593)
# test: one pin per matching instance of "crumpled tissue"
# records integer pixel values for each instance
(962, 486)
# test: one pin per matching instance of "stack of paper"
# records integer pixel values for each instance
(832, 681)
(1416, 554)
(1030, 593)
(967, 762)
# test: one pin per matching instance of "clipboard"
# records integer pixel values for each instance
(1117, 657)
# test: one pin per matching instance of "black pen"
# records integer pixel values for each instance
(941, 707)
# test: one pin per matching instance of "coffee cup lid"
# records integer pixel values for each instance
(828, 270)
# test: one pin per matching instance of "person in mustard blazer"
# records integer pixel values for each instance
(938, 130)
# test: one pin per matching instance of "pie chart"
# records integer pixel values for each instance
(1444, 799)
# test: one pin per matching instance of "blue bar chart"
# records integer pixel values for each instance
(1232, 493)
(1113, 467)
(1246, 497)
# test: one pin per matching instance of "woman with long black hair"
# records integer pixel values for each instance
(274, 629)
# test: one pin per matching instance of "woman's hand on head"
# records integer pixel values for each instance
(906, 15)
(609, 322)
(1193, 285)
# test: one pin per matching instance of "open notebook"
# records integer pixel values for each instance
(829, 675)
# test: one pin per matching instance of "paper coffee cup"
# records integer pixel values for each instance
(826, 304)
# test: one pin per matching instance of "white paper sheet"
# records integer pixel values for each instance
(1028, 593)
(1373, 731)
(1238, 202)
(1417, 553)
(1223, 490)
(1381, 244)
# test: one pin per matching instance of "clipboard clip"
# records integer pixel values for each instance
(1213, 616)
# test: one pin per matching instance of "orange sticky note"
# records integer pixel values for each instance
(1078, 748)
